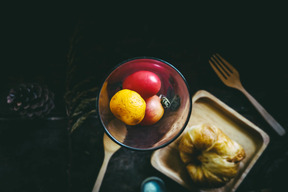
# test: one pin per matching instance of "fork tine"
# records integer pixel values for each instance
(222, 65)
(217, 71)
(228, 65)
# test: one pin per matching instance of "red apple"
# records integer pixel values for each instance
(154, 111)
(146, 83)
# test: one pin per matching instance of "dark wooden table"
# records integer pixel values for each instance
(40, 155)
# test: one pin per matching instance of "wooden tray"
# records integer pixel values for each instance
(207, 108)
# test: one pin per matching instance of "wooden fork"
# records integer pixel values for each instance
(230, 77)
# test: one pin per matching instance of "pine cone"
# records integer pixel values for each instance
(31, 100)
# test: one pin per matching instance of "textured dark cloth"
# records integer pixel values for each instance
(43, 156)
(127, 168)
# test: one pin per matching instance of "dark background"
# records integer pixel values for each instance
(35, 40)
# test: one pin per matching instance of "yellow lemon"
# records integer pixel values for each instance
(128, 106)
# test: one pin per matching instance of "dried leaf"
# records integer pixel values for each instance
(81, 120)
(84, 104)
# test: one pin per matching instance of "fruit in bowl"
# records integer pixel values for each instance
(146, 83)
(127, 104)
(154, 111)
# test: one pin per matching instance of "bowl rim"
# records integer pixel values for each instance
(164, 144)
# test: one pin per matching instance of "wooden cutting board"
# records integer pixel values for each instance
(206, 108)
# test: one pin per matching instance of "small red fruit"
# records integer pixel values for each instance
(146, 83)
(154, 111)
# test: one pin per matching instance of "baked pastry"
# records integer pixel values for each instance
(211, 157)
